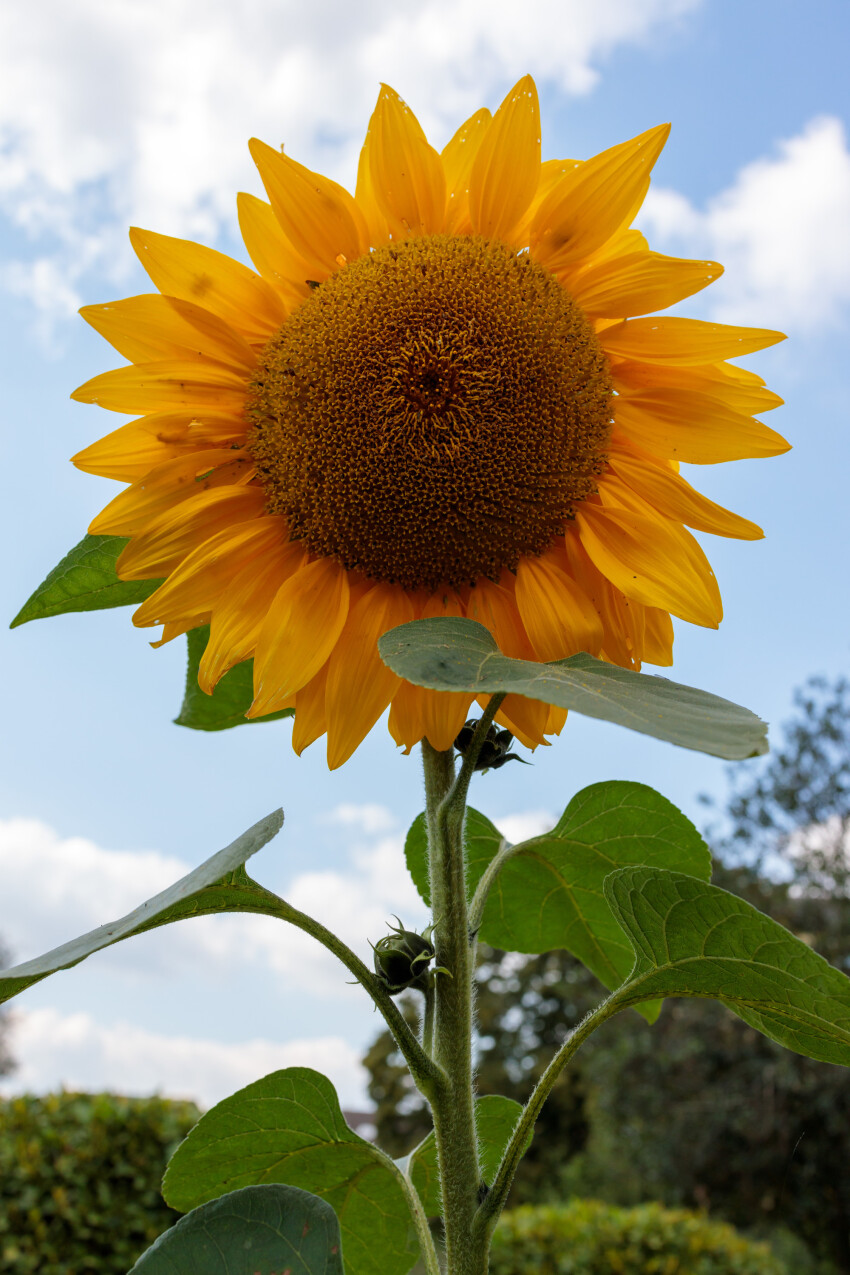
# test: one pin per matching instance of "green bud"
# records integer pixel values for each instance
(402, 958)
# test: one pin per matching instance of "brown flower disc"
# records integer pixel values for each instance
(432, 412)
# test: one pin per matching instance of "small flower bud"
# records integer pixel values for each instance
(402, 958)
(494, 751)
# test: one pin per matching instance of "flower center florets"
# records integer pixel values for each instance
(432, 412)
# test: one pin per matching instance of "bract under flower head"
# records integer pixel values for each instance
(438, 396)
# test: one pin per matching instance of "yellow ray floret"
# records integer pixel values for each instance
(447, 394)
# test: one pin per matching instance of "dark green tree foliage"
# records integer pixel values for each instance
(79, 1180)
(698, 1110)
(802, 784)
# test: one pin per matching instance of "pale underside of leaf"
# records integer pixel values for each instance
(454, 654)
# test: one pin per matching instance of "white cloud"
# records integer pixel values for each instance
(140, 111)
(56, 888)
(780, 230)
(530, 823)
(75, 1051)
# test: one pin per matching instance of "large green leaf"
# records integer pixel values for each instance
(219, 885)
(288, 1127)
(495, 1121)
(549, 894)
(693, 939)
(230, 700)
(86, 580)
(452, 654)
(263, 1230)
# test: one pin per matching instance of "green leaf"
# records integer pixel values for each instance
(230, 700)
(288, 1127)
(549, 894)
(263, 1230)
(219, 885)
(495, 1120)
(693, 939)
(451, 654)
(86, 580)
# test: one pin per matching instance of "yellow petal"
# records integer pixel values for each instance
(672, 496)
(617, 637)
(496, 609)
(748, 396)
(301, 629)
(180, 268)
(658, 638)
(317, 216)
(172, 631)
(558, 617)
(692, 427)
(364, 193)
(275, 258)
(639, 284)
(407, 715)
(551, 172)
(199, 582)
(683, 341)
(158, 550)
(656, 563)
(167, 485)
(556, 721)
(241, 610)
(506, 170)
(407, 174)
(593, 201)
(311, 719)
(458, 156)
(525, 718)
(167, 385)
(132, 450)
(152, 327)
(360, 686)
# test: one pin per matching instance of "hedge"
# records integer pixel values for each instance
(79, 1180)
(586, 1237)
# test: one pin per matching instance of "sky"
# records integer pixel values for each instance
(139, 113)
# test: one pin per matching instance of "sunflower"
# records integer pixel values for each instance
(439, 396)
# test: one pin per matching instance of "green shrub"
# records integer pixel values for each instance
(79, 1180)
(587, 1237)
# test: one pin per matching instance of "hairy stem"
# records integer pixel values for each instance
(488, 1213)
(479, 899)
(453, 1102)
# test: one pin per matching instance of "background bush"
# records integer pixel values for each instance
(587, 1237)
(79, 1180)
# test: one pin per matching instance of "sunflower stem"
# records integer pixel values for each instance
(453, 1101)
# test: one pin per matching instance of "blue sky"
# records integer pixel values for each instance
(141, 115)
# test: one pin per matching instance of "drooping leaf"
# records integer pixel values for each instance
(693, 939)
(262, 1230)
(451, 654)
(495, 1120)
(219, 885)
(86, 580)
(550, 895)
(230, 700)
(288, 1127)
